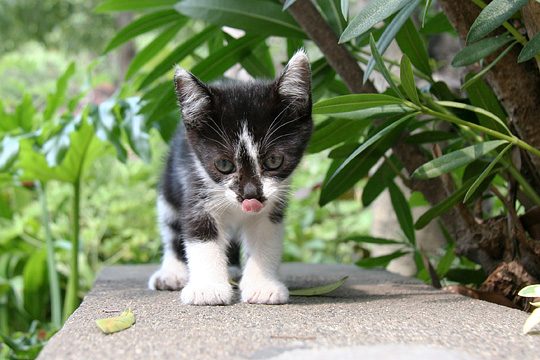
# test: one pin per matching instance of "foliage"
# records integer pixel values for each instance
(532, 291)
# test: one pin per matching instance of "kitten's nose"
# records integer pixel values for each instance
(250, 191)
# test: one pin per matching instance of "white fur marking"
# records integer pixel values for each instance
(295, 80)
(251, 147)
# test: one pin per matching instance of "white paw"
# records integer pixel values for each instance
(168, 279)
(207, 294)
(264, 292)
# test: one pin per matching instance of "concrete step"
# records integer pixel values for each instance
(375, 315)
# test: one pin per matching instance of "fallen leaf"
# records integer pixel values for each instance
(530, 291)
(318, 290)
(116, 323)
(532, 321)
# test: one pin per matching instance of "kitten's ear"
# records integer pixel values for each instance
(294, 83)
(193, 96)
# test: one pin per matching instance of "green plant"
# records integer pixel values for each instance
(531, 291)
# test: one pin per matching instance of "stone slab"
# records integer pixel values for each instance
(375, 315)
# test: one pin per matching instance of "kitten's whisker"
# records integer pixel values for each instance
(269, 134)
(274, 122)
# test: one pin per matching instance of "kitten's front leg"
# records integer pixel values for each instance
(208, 276)
(260, 283)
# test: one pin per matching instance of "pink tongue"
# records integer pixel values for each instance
(252, 205)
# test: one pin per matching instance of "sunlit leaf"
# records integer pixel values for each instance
(318, 290)
(9, 149)
(455, 159)
(372, 13)
(530, 291)
(493, 16)
(117, 323)
(532, 321)
(531, 49)
(353, 102)
(480, 49)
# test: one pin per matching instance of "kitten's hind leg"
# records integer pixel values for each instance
(173, 274)
(260, 283)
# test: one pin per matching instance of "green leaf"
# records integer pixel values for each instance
(55, 100)
(117, 323)
(382, 67)
(380, 261)
(424, 14)
(445, 262)
(403, 212)
(256, 16)
(493, 16)
(531, 49)
(35, 284)
(530, 291)
(443, 206)
(479, 50)
(345, 9)
(318, 290)
(379, 180)
(107, 127)
(374, 12)
(9, 149)
(178, 54)
(331, 9)
(153, 48)
(334, 131)
(390, 33)
(532, 321)
(353, 102)
(358, 163)
(372, 240)
(437, 24)
(83, 150)
(485, 173)
(487, 68)
(412, 45)
(495, 121)
(482, 96)
(259, 63)
(430, 136)
(56, 147)
(135, 127)
(132, 5)
(143, 25)
(407, 80)
(287, 4)
(455, 159)
(24, 113)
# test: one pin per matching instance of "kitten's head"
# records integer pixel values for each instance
(249, 136)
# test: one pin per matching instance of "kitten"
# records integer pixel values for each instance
(226, 181)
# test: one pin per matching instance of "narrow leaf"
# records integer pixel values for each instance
(493, 16)
(380, 261)
(530, 291)
(353, 102)
(482, 96)
(532, 321)
(379, 180)
(382, 67)
(424, 14)
(318, 290)
(153, 48)
(132, 5)
(489, 115)
(443, 206)
(142, 25)
(345, 9)
(117, 323)
(485, 173)
(390, 33)
(413, 45)
(288, 3)
(372, 240)
(487, 68)
(430, 136)
(374, 12)
(455, 159)
(178, 54)
(531, 49)
(256, 16)
(479, 50)
(403, 212)
(407, 80)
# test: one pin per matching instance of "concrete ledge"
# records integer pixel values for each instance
(375, 315)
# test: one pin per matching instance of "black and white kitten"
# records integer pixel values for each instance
(226, 182)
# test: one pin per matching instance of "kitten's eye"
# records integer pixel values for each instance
(273, 162)
(224, 166)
